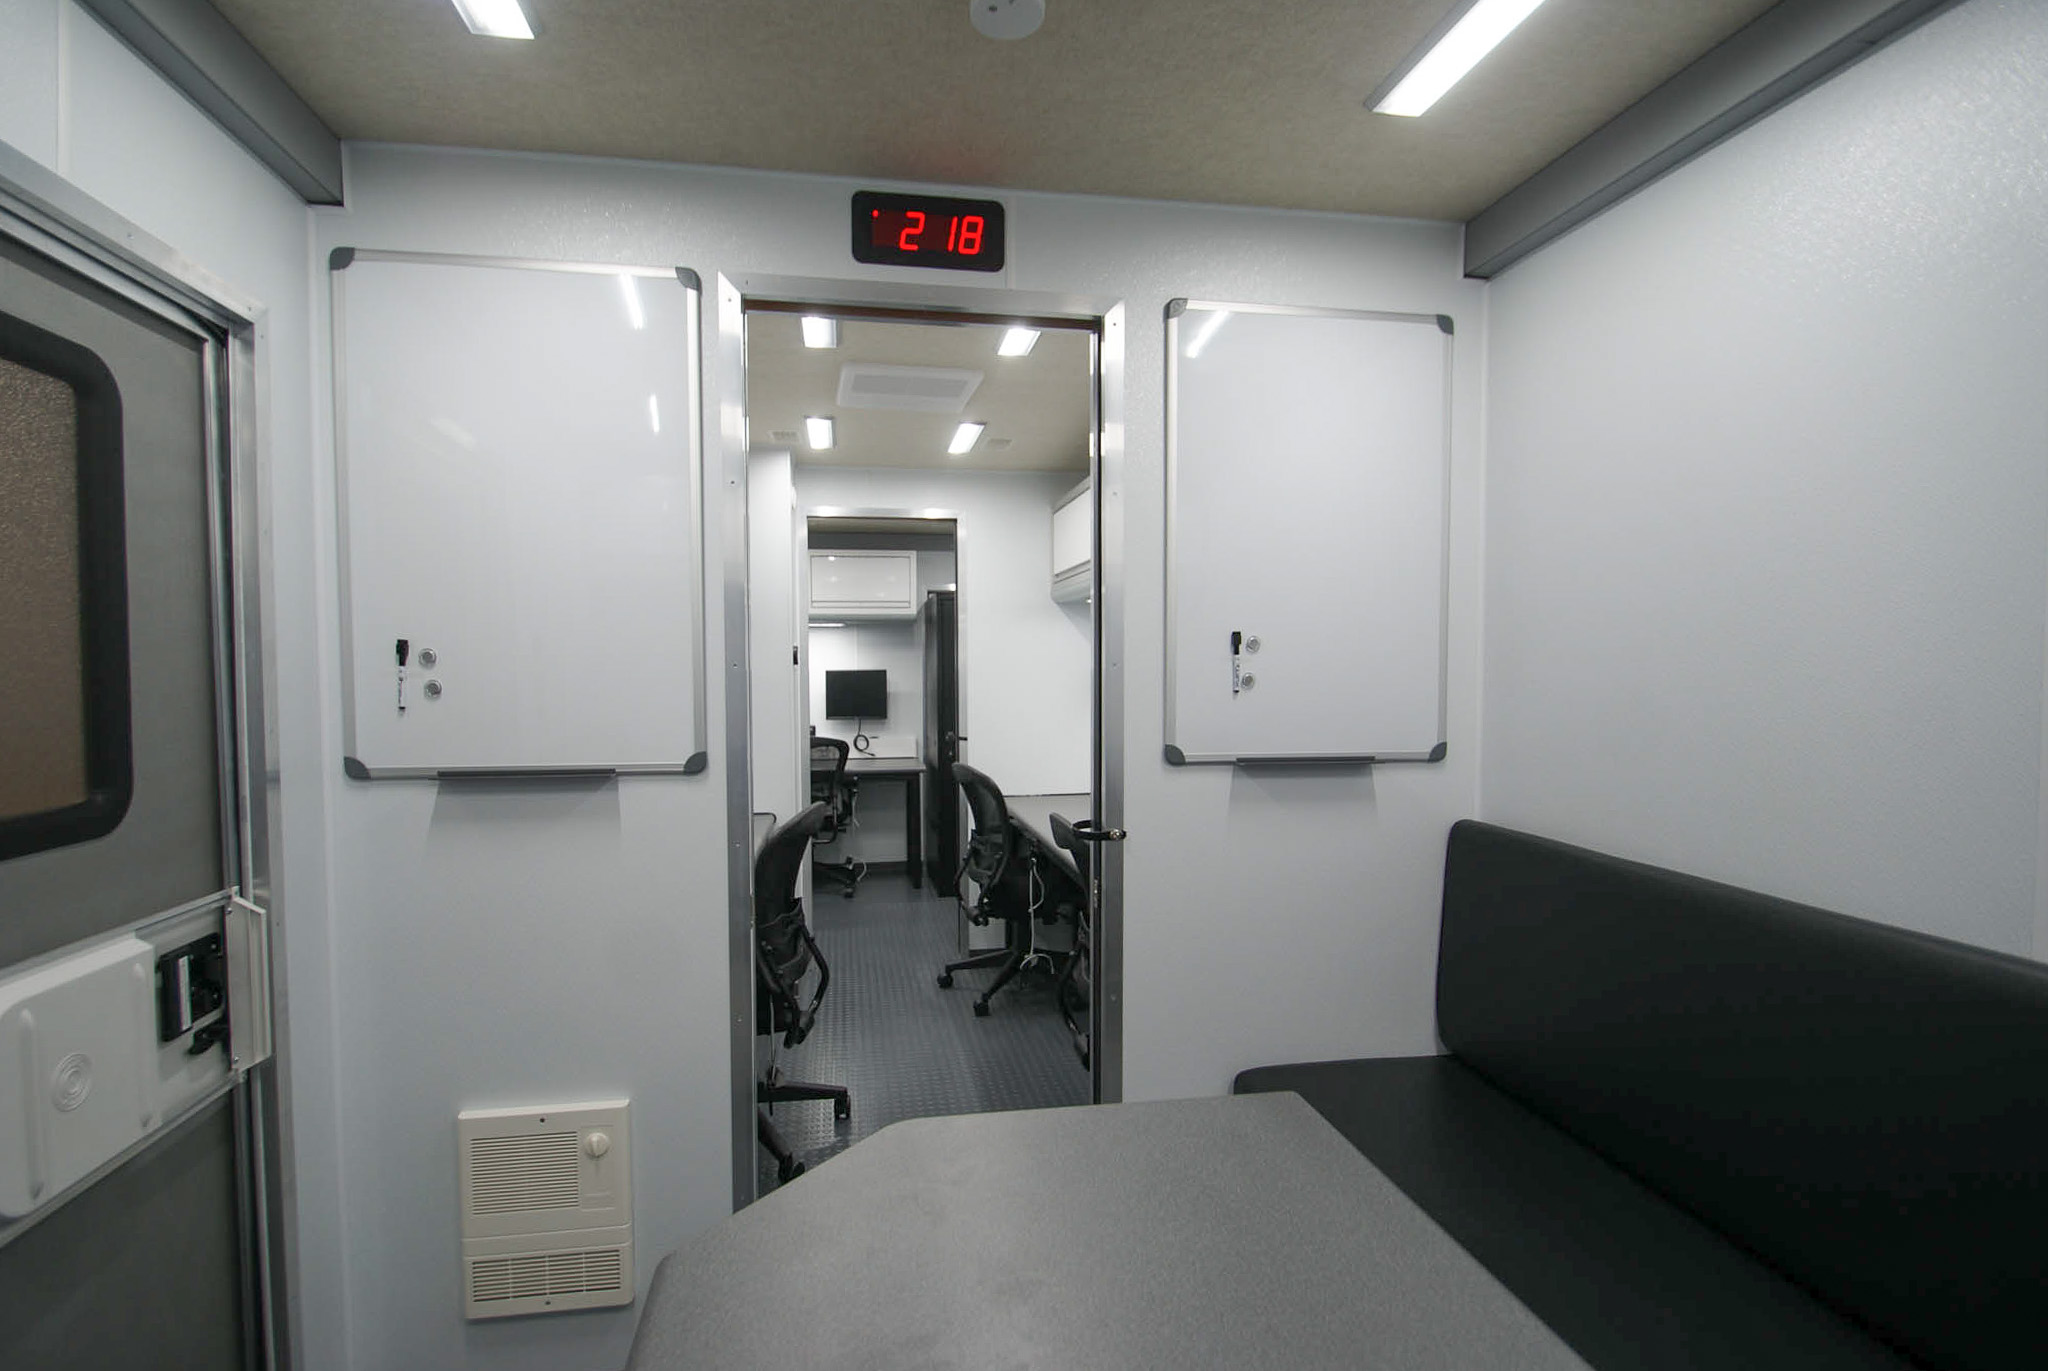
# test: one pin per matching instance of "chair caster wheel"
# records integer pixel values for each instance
(847, 893)
(789, 1171)
(945, 980)
(981, 1009)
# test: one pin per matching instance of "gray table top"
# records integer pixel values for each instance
(1242, 1232)
(883, 766)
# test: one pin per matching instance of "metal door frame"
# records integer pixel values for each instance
(736, 293)
(45, 213)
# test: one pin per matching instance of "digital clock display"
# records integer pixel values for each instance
(927, 231)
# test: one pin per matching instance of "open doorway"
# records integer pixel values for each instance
(921, 520)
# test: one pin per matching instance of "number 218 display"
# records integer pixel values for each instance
(927, 231)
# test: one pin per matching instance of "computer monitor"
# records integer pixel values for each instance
(856, 694)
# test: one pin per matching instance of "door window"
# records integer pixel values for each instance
(64, 729)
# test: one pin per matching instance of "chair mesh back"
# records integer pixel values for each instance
(988, 850)
(778, 909)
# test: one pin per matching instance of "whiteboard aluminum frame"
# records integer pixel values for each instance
(338, 262)
(1175, 754)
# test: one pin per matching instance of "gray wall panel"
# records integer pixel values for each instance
(137, 1273)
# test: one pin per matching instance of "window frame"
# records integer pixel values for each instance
(102, 594)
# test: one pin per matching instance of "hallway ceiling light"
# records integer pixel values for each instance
(1018, 342)
(820, 431)
(965, 437)
(494, 18)
(820, 332)
(1477, 32)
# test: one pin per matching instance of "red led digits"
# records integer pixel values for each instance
(927, 231)
(913, 226)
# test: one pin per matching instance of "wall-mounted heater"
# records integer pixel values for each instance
(547, 1208)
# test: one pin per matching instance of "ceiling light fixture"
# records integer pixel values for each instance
(494, 18)
(1006, 18)
(1450, 53)
(820, 431)
(630, 289)
(964, 438)
(1206, 332)
(1018, 342)
(820, 332)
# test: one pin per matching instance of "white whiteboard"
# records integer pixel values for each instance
(1307, 501)
(517, 456)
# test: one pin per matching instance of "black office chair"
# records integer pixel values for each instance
(784, 953)
(1002, 884)
(838, 792)
(1077, 982)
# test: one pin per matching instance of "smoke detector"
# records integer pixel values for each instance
(1006, 18)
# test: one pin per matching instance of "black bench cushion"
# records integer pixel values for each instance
(1629, 1280)
(1864, 1107)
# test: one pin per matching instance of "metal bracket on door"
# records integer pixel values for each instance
(247, 929)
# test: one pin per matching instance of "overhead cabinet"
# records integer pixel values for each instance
(1073, 544)
(863, 585)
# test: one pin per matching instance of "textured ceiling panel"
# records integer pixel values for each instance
(1036, 407)
(1215, 100)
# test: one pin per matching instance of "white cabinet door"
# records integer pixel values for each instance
(1073, 544)
(871, 585)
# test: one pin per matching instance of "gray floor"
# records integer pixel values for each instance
(906, 1048)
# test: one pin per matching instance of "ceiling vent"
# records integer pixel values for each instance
(925, 390)
(547, 1208)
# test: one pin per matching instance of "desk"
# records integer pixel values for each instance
(1241, 1232)
(910, 771)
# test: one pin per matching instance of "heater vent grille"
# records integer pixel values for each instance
(544, 1275)
(524, 1171)
(547, 1208)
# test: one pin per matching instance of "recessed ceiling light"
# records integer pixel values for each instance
(1018, 342)
(1475, 34)
(820, 332)
(820, 431)
(494, 18)
(964, 438)
(630, 289)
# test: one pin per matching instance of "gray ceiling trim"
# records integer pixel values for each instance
(208, 59)
(1788, 49)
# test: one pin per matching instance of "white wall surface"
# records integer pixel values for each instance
(74, 98)
(1768, 500)
(1026, 677)
(516, 945)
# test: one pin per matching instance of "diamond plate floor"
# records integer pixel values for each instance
(906, 1048)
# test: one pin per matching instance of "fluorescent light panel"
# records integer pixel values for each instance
(964, 438)
(630, 289)
(1018, 342)
(494, 18)
(1457, 52)
(820, 332)
(820, 431)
